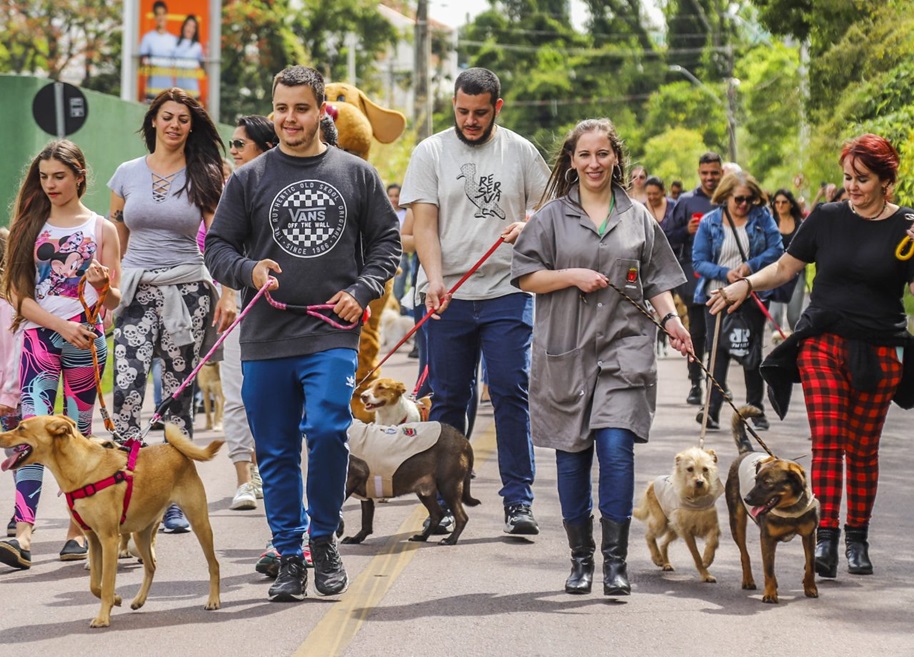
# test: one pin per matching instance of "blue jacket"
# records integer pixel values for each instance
(765, 246)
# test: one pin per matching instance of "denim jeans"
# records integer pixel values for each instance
(616, 457)
(288, 400)
(502, 330)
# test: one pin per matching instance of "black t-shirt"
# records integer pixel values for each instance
(857, 273)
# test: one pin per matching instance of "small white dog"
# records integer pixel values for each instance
(683, 504)
(391, 405)
(394, 326)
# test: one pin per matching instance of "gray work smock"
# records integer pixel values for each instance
(593, 363)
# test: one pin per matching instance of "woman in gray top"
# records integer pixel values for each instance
(169, 304)
(594, 374)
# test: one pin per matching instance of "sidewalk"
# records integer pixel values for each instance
(491, 594)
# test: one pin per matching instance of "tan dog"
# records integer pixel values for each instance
(440, 461)
(210, 383)
(163, 474)
(683, 504)
(775, 494)
(391, 405)
(394, 326)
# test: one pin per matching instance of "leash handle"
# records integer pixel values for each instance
(313, 311)
(425, 318)
(157, 415)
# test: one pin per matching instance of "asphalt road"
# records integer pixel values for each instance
(490, 594)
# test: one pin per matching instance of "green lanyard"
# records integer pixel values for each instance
(612, 204)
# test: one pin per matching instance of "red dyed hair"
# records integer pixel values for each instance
(875, 153)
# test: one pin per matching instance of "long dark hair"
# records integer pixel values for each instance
(795, 211)
(196, 37)
(259, 130)
(203, 150)
(30, 212)
(558, 184)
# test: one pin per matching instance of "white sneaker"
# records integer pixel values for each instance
(244, 497)
(257, 482)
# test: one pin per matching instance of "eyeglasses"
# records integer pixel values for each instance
(237, 144)
(739, 200)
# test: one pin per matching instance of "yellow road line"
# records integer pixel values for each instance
(336, 630)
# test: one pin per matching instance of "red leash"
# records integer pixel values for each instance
(768, 315)
(167, 402)
(422, 321)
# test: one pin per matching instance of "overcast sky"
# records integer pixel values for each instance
(454, 12)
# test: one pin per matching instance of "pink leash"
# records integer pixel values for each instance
(313, 311)
(768, 315)
(422, 321)
(167, 402)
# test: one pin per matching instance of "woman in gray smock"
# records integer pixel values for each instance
(594, 374)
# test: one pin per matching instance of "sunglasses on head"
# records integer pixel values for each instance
(237, 143)
(739, 200)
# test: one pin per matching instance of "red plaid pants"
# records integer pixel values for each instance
(846, 425)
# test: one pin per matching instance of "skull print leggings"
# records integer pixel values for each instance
(140, 334)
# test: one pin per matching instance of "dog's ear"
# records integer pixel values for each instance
(712, 454)
(60, 426)
(798, 475)
(761, 462)
(400, 387)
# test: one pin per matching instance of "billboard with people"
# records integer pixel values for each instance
(172, 50)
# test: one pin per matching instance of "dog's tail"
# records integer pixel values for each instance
(739, 427)
(187, 447)
(641, 511)
(468, 499)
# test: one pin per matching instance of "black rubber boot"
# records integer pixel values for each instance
(857, 551)
(827, 552)
(580, 540)
(615, 551)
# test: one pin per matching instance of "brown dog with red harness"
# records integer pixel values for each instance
(97, 481)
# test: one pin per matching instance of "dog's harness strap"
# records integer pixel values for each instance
(121, 475)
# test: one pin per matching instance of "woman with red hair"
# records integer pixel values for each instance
(851, 342)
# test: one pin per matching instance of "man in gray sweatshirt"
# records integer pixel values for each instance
(317, 219)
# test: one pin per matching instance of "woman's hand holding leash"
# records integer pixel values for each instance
(587, 280)
(512, 232)
(97, 275)
(680, 340)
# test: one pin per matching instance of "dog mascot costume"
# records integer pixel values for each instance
(358, 120)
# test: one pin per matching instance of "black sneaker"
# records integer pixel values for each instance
(291, 584)
(694, 397)
(713, 425)
(445, 526)
(330, 577)
(761, 422)
(519, 520)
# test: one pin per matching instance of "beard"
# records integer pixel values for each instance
(483, 138)
(307, 137)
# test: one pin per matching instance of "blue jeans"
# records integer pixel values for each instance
(502, 329)
(288, 400)
(616, 456)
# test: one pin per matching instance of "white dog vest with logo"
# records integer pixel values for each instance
(670, 500)
(385, 448)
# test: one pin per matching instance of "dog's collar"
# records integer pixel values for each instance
(121, 475)
(807, 501)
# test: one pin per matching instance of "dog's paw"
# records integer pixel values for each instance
(811, 591)
(450, 540)
(421, 538)
(709, 578)
(100, 621)
(667, 568)
(748, 585)
(117, 600)
(770, 598)
(212, 605)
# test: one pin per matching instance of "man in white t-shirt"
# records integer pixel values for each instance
(157, 52)
(468, 186)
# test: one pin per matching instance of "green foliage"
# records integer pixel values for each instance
(673, 154)
(692, 108)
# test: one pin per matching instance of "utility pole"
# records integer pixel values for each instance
(422, 114)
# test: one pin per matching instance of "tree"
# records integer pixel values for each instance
(673, 154)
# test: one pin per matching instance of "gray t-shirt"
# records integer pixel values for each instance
(163, 225)
(479, 191)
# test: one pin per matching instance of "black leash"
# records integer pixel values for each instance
(711, 378)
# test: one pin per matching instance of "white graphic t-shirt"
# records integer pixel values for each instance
(479, 191)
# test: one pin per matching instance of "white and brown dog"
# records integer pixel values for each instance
(683, 504)
(391, 405)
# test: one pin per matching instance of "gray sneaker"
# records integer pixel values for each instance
(291, 584)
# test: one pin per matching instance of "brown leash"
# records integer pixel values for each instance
(92, 320)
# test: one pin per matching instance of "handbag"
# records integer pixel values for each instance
(736, 335)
